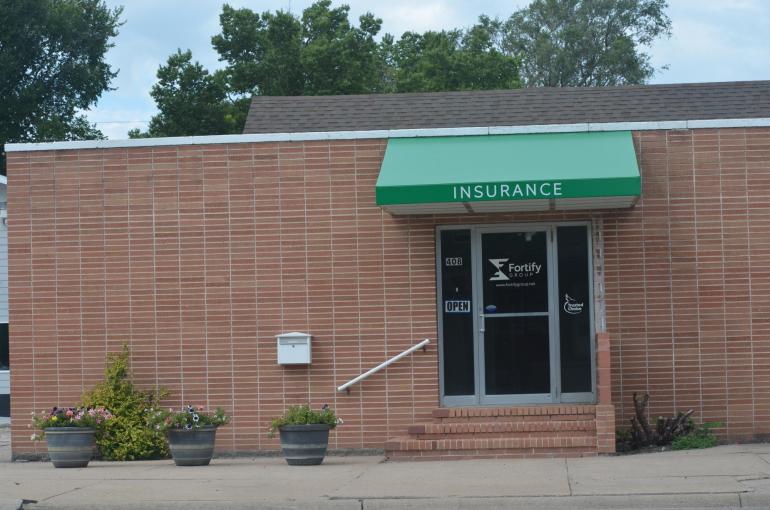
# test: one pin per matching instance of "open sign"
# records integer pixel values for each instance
(457, 306)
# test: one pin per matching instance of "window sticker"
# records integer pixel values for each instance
(571, 305)
(457, 306)
(453, 261)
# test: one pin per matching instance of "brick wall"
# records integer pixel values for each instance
(196, 256)
(687, 276)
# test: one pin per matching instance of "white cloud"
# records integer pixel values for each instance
(715, 41)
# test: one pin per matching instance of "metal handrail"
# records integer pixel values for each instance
(379, 367)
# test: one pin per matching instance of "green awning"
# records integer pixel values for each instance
(595, 170)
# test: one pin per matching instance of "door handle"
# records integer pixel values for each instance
(481, 318)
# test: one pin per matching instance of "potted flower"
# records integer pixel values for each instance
(190, 432)
(304, 434)
(69, 433)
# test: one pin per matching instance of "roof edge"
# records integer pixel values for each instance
(390, 133)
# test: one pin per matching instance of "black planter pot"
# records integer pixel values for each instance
(304, 445)
(193, 447)
(70, 447)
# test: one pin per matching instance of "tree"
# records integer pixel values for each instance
(586, 42)
(278, 54)
(548, 43)
(336, 57)
(191, 101)
(53, 67)
(454, 60)
(262, 53)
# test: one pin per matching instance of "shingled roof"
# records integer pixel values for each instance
(520, 107)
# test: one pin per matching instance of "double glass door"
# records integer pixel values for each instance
(516, 318)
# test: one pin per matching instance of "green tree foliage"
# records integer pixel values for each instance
(586, 42)
(52, 66)
(191, 101)
(277, 54)
(126, 436)
(454, 60)
(338, 58)
(550, 42)
(262, 52)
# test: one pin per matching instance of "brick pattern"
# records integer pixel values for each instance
(499, 453)
(540, 411)
(500, 432)
(502, 427)
(198, 255)
(687, 275)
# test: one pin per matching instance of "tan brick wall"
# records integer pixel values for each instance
(198, 255)
(688, 279)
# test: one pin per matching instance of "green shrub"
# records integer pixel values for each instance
(126, 436)
(303, 415)
(702, 437)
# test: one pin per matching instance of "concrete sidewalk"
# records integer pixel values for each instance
(724, 477)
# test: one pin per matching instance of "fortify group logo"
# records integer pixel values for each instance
(499, 275)
(514, 270)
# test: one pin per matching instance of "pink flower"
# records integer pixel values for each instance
(69, 413)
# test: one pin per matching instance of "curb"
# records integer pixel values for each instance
(615, 502)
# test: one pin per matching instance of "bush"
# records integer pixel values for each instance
(303, 415)
(126, 436)
(702, 437)
(643, 435)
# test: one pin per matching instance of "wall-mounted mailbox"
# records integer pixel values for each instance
(293, 348)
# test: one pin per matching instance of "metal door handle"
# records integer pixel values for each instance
(481, 317)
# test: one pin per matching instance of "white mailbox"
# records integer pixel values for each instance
(293, 348)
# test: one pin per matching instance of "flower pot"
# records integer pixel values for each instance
(70, 446)
(304, 445)
(193, 447)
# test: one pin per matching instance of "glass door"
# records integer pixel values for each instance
(515, 316)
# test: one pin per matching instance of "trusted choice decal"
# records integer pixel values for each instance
(571, 305)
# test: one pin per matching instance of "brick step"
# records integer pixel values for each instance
(496, 435)
(499, 453)
(503, 427)
(584, 442)
(534, 413)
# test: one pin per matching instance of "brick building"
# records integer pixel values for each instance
(560, 248)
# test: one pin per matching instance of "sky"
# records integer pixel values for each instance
(712, 40)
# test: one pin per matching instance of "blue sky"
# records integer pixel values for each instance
(713, 40)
